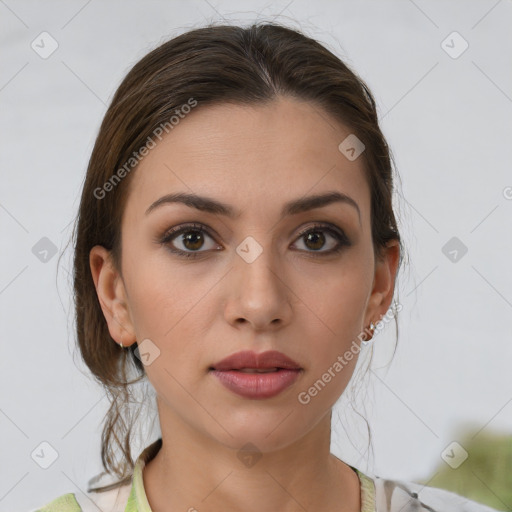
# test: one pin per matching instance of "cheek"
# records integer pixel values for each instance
(155, 289)
(170, 303)
(336, 298)
(336, 295)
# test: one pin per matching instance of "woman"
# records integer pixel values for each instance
(236, 244)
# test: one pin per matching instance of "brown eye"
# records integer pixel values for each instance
(314, 240)
(317, 237)
(188, 240)
(193, 240)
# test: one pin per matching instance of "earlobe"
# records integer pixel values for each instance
(111, 295)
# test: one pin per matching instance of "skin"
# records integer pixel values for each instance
(304, 303)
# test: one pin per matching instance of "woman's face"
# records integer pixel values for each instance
(251, 281)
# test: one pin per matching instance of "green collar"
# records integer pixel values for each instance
(138, 501)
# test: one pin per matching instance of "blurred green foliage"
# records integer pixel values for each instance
(485, 476)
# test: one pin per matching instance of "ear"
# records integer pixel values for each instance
(112, 296)
(386, 267)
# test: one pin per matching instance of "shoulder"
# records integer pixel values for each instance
(114, 500)
(406, 496)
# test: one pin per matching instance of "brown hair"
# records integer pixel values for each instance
(214, 64)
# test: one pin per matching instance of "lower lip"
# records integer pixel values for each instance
(257, 385)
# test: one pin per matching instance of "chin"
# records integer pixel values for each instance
(268, 431)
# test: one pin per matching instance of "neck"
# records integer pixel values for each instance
(192, 471)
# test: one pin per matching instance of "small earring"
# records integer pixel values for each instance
(121, 345)
(372, 328)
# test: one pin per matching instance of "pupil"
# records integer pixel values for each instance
(314, 236)
(195, 238)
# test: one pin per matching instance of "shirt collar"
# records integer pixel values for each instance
(138, 501)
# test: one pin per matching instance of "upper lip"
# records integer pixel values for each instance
(250, 359)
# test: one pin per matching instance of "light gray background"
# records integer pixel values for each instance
(448, 121)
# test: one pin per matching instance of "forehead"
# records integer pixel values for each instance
(251, 156)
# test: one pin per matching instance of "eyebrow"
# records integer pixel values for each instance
(294, 207)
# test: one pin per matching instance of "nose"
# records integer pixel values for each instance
(258, 294)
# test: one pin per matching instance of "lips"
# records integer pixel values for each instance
(257, 376)
(248, 360)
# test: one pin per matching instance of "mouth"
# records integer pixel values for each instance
(257, 376)
(256, 370)
(249, 361)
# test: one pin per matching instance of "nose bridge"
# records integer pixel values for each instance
(256, 263)
(258, 293)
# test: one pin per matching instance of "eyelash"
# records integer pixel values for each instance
(333, 231)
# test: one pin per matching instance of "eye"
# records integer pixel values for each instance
(314, 238)
(191, 237)
(187, 240)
